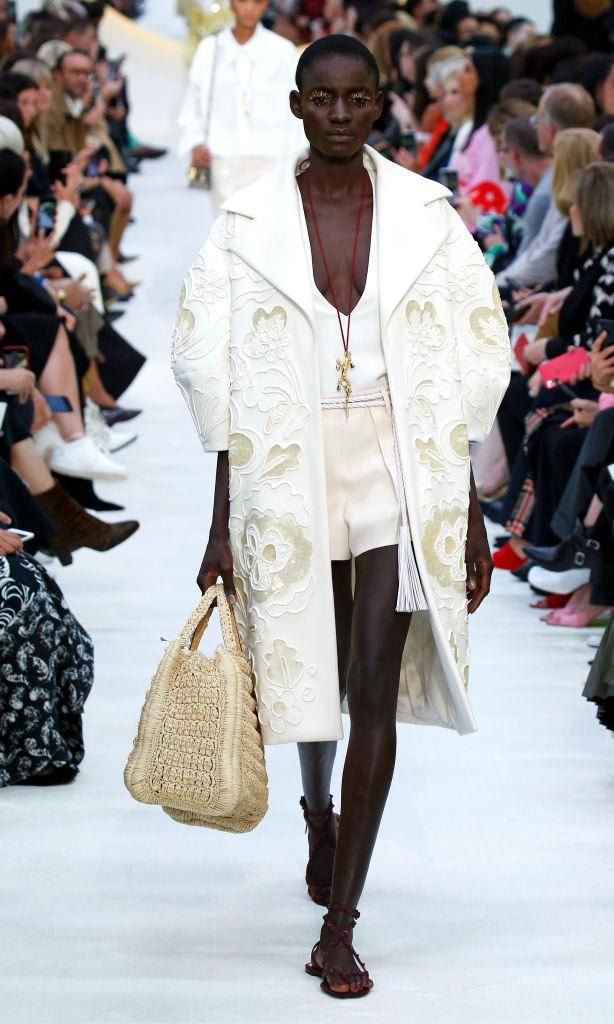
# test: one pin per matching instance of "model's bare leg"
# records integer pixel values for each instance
(317, 759)
(378, 639)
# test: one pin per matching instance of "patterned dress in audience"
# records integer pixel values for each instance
(46, 673)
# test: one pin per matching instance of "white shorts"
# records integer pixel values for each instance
(363, 504)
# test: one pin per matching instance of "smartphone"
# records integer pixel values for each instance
(564, 367)
(58, 403)
(554, 382)
(93, 169)
(16, 357)
(58, 160)
(24, 534)
(46, 216)
(408, 141)
(605, 325)
(449, 177)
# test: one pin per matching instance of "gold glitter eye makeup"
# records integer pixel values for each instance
(319, 96)
(360, 98)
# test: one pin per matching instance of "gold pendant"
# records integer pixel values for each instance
(343, 384)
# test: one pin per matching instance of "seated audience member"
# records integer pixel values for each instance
(474, 154)
(555, 431)
(561, 107)
(531, 172)
(47, 672)
(76, 125)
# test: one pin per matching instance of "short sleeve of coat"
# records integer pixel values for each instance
(483, 349)
(201, 341)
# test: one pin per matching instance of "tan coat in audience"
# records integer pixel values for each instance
(71, 133)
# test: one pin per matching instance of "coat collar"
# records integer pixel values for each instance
(408, 233)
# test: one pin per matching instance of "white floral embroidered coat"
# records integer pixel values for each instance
(244, 356)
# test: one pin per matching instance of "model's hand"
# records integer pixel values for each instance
(217, 561)
(201, 157)
(477, 555)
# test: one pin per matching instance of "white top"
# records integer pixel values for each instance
(250, 113)
(365, 328)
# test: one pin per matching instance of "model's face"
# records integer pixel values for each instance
(248, 12)
(338, 105)
(27, 101)
(74, 75)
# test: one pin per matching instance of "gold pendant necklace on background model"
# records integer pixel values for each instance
(343, 365)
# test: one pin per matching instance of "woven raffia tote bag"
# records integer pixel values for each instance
(198, 752)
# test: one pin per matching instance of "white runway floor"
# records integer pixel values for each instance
(490, 899)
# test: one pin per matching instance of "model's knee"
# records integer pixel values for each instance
(372, 687)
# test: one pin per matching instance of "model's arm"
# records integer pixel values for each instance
(483, 356)
(217, 560)
(477, 554)
(192, 117)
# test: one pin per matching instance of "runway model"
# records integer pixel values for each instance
(339, 438)
(235, 116)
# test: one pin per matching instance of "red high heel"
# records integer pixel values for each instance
(506, 558)
(319, 822)
(334, 974)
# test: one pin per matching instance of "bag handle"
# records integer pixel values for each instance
(192, 632)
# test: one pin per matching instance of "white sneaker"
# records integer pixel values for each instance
(105, 439)
(82, 458)
(558, 582)
(46, 439)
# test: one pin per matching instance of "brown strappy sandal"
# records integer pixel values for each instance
(340, 935)
(319, 823)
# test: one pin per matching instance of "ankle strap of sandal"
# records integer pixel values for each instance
(342, 935)
(341, 908)
(317, 820)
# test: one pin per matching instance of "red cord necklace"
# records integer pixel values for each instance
(344, 365)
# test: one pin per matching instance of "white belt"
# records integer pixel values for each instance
(410, 596)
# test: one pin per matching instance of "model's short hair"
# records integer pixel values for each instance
(335, 46)
(569, 106)
(594, 197)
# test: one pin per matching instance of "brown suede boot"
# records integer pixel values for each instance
(75, 528)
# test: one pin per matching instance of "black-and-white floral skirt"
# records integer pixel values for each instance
(46, 673)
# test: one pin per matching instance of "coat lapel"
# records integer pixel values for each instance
(272, 243)
(409, 231)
